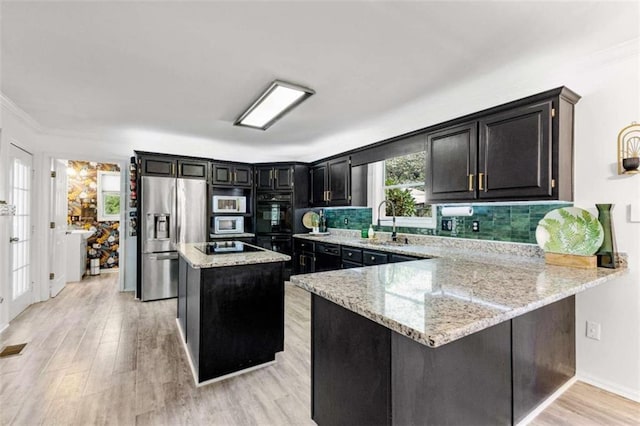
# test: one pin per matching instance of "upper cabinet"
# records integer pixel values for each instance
(276, 177)
(231, 174)
(192, 169)
(157, 166)
(330, 183)
(451, 163)
(514, 157)
(516, 152)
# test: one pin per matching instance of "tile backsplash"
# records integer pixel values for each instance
(515, 222)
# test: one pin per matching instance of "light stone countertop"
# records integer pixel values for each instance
(198, 259)
(456, 293)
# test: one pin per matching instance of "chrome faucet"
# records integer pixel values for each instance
(394, 236)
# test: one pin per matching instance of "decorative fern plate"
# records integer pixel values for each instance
(570, 230)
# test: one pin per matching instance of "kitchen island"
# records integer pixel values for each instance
(230, 311)
(449, 340)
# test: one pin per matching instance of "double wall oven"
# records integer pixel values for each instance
(274, 221)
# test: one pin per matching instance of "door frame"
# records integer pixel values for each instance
(48, 159)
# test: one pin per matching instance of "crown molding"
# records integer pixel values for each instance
(14, 109)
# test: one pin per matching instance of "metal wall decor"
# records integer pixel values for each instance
(629, 149)
(7, 209)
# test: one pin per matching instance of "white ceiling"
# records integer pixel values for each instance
(189, 68)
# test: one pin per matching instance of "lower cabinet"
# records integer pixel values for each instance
(318, 257)
(232, 318)
(363, 373)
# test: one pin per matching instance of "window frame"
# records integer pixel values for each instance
(102, 216)
(376, 174)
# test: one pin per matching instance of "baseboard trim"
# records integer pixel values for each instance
(215, 379)
(622, 391)
(547, 402)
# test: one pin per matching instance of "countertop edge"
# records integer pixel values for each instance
(437, 340)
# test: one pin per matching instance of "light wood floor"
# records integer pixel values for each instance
(97, 356)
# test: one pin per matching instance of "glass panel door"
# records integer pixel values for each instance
(20, 241)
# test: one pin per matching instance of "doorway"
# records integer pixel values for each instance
(20, 192)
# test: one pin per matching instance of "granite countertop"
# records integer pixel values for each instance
(495, 252)
(454, 294)
(198, 259)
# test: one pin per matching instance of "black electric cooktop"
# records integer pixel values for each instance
(226, 247)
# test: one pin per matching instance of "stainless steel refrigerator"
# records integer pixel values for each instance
(172, 210)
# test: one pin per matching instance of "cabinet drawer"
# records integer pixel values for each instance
(351, 254)
(395, 258)
(374, 257)
(304, 245)
(326, 248)
(348, 265)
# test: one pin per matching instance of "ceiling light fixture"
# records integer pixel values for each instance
(279, 98)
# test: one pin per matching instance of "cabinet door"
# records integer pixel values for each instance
(192, 169)
(318, 185)
(306, 263)
(264, 178)
(515, 153)
(283, 177)
(339, 172)
(242, 176)
(158, 166)
(451, 163)
(221, 174)
(374, 258)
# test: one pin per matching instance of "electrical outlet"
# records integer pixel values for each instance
(346, 220)
(593, 330)
(447, 224)
(475, 226)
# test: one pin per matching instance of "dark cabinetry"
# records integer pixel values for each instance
(514, 153)
(452, 162)
(193, 169)
(157, 166)
(304, 257)
(318, 257)
(330, 183)
(518, 151)
(232, 318)
(231, 174)
(274, 177)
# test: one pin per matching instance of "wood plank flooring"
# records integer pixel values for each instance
(97, 356)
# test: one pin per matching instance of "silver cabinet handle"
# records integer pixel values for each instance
(373, 258)
(14, 239)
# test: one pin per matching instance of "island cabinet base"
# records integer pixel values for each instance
(233, 316)
(364, 373)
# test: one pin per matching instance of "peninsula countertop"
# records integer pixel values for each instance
(439, 300)
(198, 259)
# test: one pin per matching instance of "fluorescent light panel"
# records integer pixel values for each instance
(279, 98)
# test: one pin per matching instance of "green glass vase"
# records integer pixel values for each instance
(607, 253)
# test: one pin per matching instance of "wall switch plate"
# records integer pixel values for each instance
(634, 212)
(593, 330)
(475, 226)
(447, 224)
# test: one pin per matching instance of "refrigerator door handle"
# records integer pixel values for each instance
(170, 256)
